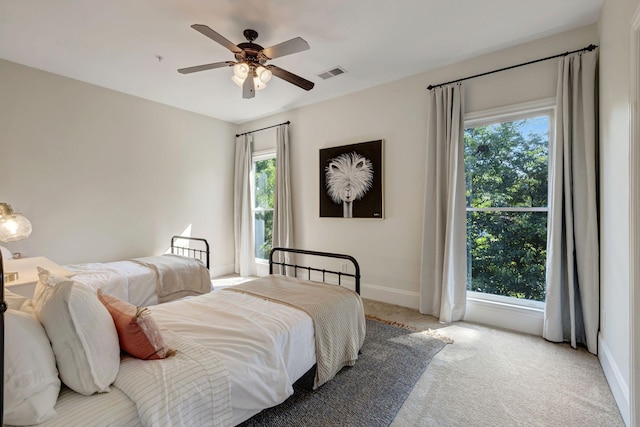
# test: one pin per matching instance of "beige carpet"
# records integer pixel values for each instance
(491, 377)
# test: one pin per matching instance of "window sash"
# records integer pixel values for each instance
(256, 210)
(545, 107)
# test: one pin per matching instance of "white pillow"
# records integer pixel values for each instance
(31, 383)
(81, 331)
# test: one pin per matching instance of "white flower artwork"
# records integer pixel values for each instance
(351, 181)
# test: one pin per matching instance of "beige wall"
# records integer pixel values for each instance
(105, 176)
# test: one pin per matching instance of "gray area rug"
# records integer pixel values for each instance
(368, 394)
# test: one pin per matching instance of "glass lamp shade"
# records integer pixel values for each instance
(263, 74)
(12, 226)
(259, 85)
(241, 70)
(237, 80)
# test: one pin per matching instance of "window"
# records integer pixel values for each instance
(506, 171)
(264, 182)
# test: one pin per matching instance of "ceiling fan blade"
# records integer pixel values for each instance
(248, 89)
(291, 78)
(286, 48)
(216, 37)
(206, 67)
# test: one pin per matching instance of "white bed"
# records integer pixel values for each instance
(139, 281)
(264, 346)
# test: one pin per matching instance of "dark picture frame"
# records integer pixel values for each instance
(352, 181)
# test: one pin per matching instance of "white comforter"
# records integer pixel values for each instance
(265, 346)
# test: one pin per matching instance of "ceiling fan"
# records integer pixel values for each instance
(250, 69)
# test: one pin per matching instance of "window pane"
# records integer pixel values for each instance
(263, 233)
(506, 163)
(265, 180)
(506, 253)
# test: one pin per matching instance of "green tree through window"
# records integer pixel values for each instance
(506, 168)
(264, 187)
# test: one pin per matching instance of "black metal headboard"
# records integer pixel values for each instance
(201, 252)
(283, 265)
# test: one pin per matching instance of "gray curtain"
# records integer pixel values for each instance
(443, 288)
(282, 209)
(245, 259)
(573, 290)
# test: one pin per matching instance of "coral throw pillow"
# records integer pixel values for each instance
(138, 333)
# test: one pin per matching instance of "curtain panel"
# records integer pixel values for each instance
(282, 209)
(444, 262)
(245, 261)
(572, 310)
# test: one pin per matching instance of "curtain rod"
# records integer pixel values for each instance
(588, 48)
(258, 130)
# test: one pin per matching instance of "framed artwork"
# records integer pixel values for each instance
(351, 181)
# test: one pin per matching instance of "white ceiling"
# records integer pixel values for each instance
(116, 43)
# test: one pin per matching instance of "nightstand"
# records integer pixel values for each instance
(28, 274)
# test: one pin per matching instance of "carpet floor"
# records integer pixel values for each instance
(370, 393)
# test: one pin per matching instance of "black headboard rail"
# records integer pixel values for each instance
(197, 253)
(284, 265)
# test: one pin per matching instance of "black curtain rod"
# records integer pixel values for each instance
(588, 48)
(258, 130)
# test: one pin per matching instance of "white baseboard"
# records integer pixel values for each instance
(390, 296)
(617, 383)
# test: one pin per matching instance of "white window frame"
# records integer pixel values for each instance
(256, 157)
(505, 114)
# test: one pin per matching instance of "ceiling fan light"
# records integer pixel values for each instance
(264, 74)
(241, 70)
(258, 84)
(237, 80)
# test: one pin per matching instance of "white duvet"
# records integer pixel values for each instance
(264, 345)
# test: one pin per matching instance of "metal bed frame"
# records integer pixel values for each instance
(201, 252)
(283, 265)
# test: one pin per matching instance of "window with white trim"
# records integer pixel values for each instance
(263, 181)
(507, 174)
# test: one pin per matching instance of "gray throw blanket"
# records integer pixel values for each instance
(337, 313)
(177, 276)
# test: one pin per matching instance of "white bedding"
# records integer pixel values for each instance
(127, 280)
(265, 346)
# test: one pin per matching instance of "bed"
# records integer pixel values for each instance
(241, 349)
(152, 280)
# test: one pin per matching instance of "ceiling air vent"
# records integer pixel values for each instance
(335, 71)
